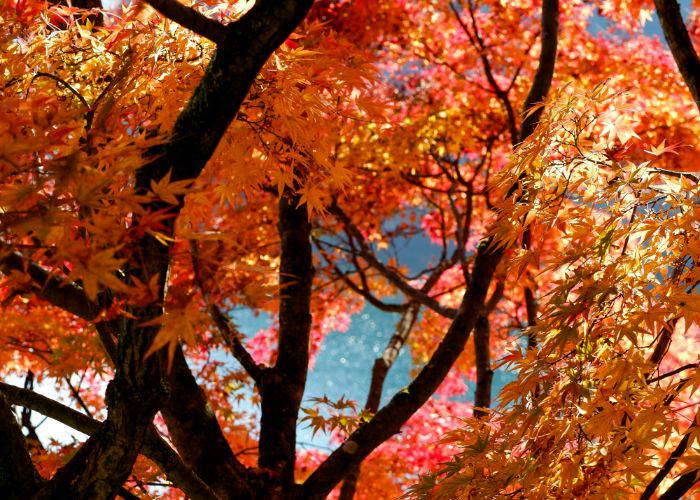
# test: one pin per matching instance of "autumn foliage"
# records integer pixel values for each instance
(516, 182)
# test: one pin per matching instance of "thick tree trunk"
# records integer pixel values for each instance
(104, 462)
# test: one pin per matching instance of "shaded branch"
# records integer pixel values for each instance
(682, 485)
(388, 421)
(545, 69)
(364, 292)
(283, 387)
(393, 277)
(58, 292)
(229, 332)
(680, 44)
(232, 337)
(482, 354)
(197, 435)
(673, 372)
(668, 465)
(484, 373)
(189, 18)
(18, 476)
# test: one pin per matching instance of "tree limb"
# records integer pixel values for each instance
(232, 338)
(18, 476)
(680, 44)
(189, 18)
(668, 465)
(60, 293)
(545, 69)
(392, 276)
(380, 370)
(388, 420)
(682, 485)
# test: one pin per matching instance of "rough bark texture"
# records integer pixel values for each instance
(104, 462)
(283, 385)
(154, 446)
(680, 44)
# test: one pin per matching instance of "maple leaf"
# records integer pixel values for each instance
(170, 192)
(313, 197)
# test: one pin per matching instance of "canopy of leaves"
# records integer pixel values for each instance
(373, 130)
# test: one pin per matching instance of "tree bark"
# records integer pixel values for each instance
(154, 447)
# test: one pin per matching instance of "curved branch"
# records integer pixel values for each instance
(388, 421)
(395, 279)
(680, 44)
(366, 294)
(545, 69)
(668, 465)
(58, 292)
(232, 337)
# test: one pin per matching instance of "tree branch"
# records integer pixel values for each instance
(545, 69)
(668, 465)
(366, 294)
(681, 486)
(197, 435)
(367, 254)
(680, 44)
(60, 293)
(380, 370)
(388, 421)
(189, 18)
(18, 476)
(482, 354)
(232, 338)
(229, 332)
